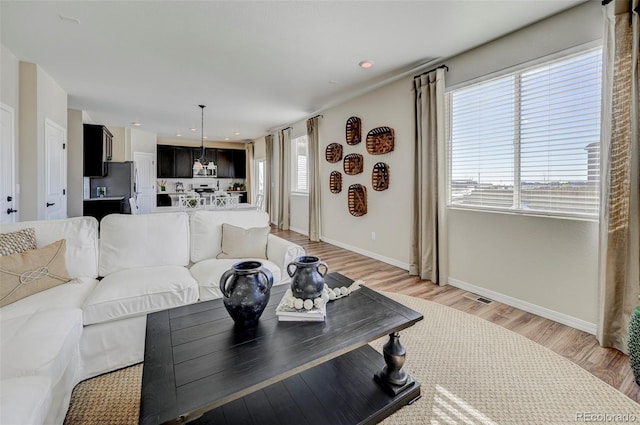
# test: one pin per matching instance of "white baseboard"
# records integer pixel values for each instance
(565, 319)
(301, 231)
(378, 257)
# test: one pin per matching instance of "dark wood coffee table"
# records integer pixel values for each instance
(199, 367)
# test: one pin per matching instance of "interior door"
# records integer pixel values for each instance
(55, 138)
(144, 181)
(8, 202)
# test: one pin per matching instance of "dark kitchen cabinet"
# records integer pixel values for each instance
(239, 164)
(102, 207)
(175, 162)
(224, 161)
(183, 163)
(98, 149)
(165, 161)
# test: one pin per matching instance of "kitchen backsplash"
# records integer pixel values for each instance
(190, 184)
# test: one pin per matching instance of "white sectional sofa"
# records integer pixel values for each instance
(95, 323)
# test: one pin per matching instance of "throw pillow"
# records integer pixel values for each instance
(20, 241)
(27, 273)
(244, 243)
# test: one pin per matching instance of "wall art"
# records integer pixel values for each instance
(353, 131)
(380, 140)
(380, 176)
(333, 153)
(357, 198)
(353, 164)
(335, 182)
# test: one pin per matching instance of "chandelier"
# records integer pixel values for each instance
(201, 163)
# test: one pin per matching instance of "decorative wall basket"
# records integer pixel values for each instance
(353, 164)
(380, 140)
(335, 182)
(333, 153)
(380, 176)
(353, 131)
(357, 197)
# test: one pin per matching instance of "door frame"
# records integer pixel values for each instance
(12, 168)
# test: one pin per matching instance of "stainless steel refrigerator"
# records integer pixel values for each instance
(119, 181)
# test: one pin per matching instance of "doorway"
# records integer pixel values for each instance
(8, 203)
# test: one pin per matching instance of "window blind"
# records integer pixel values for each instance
(530, 140)
(300, 180)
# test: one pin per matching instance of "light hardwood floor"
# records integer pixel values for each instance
(609, 365)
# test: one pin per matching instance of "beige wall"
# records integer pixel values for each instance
(75, 158)
(544, 265)
(9, 95)
(549, 263)
(40, 98)
(119, 143)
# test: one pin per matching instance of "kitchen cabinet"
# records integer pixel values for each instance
(174, 162)
(183, 163)
(177, 161)
(165, 161)
(98, 149)
(239, 164)
(224, 161)
(101, 207)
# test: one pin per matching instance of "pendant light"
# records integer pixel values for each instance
(201, 162)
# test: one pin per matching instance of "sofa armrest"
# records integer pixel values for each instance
(282, 252)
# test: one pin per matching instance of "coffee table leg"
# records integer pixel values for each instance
(392, 378)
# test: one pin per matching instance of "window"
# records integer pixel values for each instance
(260, 173)
(529, 141)
(299, 174)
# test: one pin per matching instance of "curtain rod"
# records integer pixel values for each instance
(319, 115)
(431, 70)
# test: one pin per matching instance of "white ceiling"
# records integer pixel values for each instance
(257, 65)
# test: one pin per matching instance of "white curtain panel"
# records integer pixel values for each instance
(619, 277)
(314, 178)
(284, 179)
(268, 166)
(430, 133)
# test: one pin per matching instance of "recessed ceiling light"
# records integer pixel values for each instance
(237, 133)
(226, 138)
(365, 64)
(193, 129)
(178, 134)
(136, 123)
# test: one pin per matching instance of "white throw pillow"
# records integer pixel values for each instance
(244, 243)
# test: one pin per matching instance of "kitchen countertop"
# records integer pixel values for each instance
(105, 198)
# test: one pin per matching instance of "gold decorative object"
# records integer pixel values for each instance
(335, 182)
(333, 153)
(380, 176)
(380, 140)
(357, 197)
(353, 164)
(353, 131)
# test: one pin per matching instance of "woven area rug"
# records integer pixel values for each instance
(472, 372)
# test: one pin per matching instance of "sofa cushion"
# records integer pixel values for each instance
(36, 270)
(18, 241)
(209, 272)
(25, 400)
(40, 344)
(81, 235)
(147, 240)
(71, 294)
(238, 242)
(206, 229)
(136, 292)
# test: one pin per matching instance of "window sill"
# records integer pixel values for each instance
(537, 214)
(301, 194)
